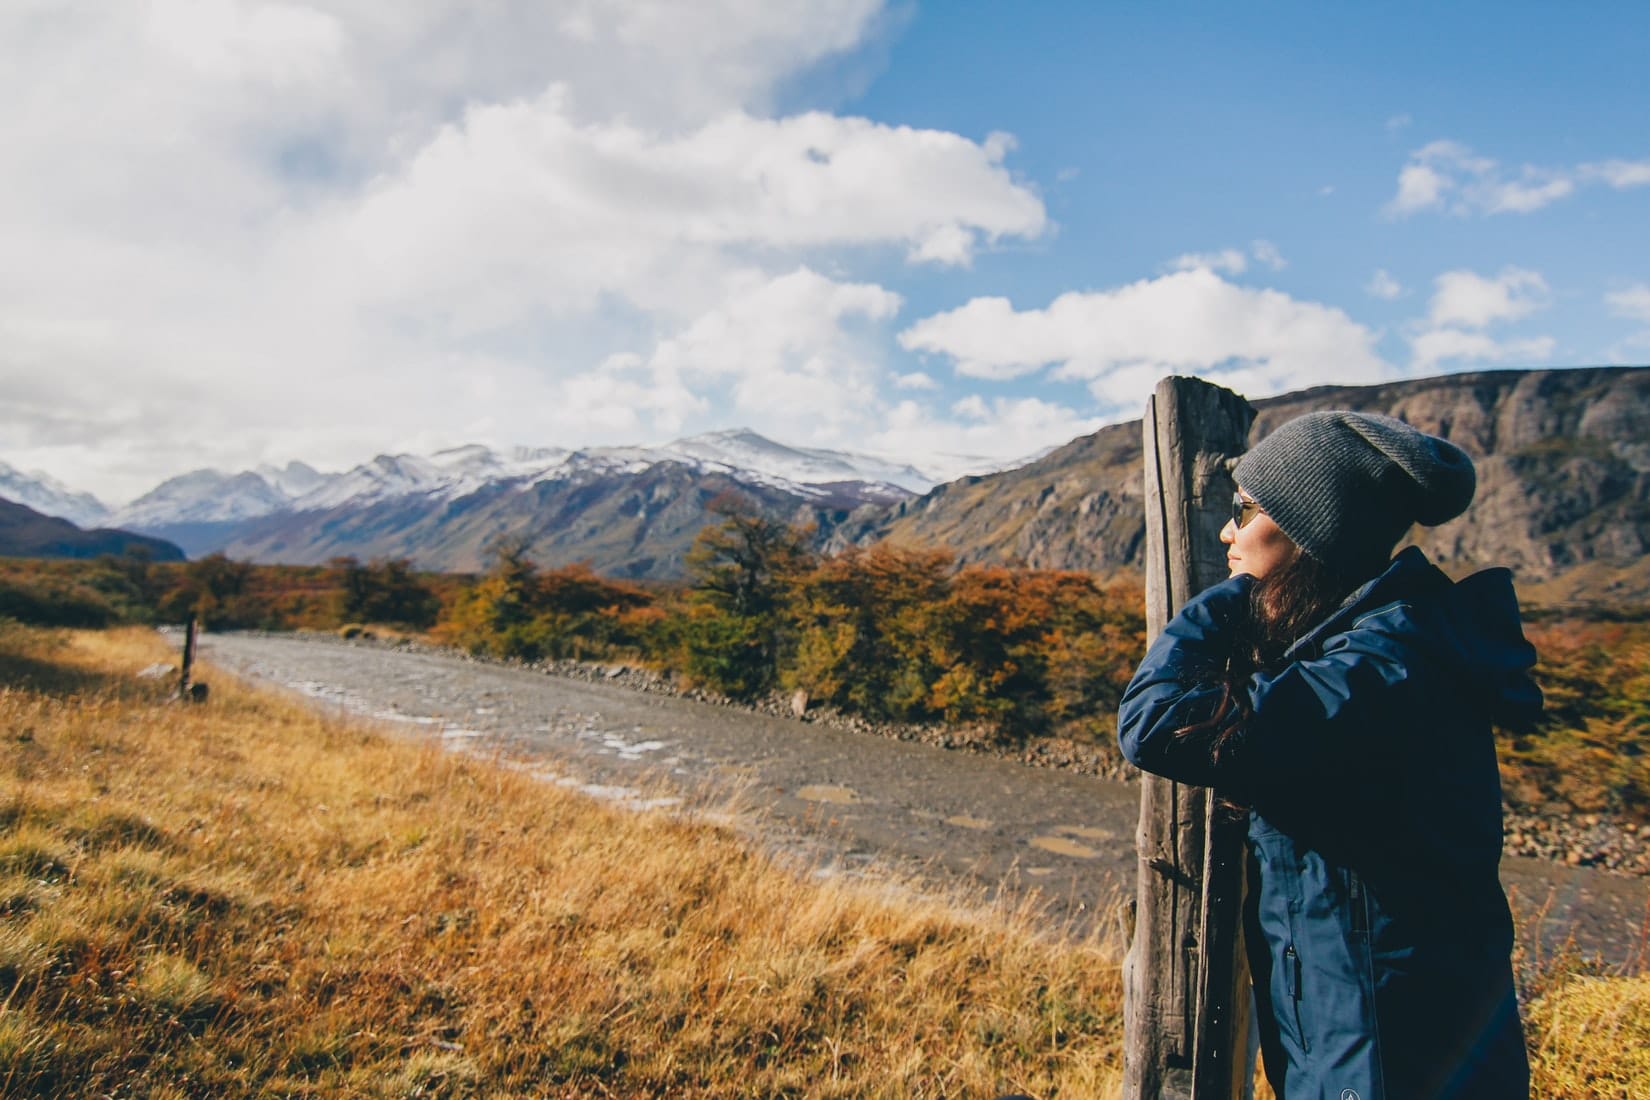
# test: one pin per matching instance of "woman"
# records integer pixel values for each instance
(1346, 697)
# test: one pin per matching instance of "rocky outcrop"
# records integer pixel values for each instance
(1563, 461)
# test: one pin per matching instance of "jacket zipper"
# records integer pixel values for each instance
(1293, 962)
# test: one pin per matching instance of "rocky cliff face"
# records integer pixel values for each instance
(1563, 461)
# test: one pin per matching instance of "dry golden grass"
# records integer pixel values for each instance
(248, 898)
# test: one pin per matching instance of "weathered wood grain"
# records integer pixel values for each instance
(1186, 999)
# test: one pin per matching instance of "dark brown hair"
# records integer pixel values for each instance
(1283, 606)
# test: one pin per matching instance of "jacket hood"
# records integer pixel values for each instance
(1472, 624)
(1480, 626)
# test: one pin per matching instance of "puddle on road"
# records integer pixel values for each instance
(459, 733)
(1084, 832)
(630, 750)
(963, 821)
(405, 719)
(1061, 846)
(824, 792)
(627, 797)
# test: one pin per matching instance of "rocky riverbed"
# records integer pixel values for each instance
(1575, 840)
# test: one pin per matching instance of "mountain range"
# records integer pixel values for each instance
(632, 510)
(1563, 458)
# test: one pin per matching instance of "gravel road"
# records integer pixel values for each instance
(849, 802)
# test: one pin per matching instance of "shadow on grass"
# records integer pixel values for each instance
(18, 670)
(34, 671)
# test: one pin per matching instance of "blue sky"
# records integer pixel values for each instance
(244, 231)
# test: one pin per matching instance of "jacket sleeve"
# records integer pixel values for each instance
(1313, 717)
(1180, 683)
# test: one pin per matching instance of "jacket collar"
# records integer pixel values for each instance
(1405, 575)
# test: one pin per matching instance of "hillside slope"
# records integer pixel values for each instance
(1563, 462)
(26, 533)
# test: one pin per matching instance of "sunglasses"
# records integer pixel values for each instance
(1244, 510)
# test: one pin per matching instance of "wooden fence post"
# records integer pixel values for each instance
(1185, 1001)
(188, 690)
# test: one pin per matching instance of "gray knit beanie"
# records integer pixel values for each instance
(1345, 486)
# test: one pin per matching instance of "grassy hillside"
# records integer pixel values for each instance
(247, 898)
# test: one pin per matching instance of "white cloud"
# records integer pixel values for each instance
(1444, 345)
(1382, 285)
(1465, 304)
(1522, 196)
(996, 428)
(1469, 299)
(1265, 252)
(277, 229)
(915, 380)
(1448, 176)
(1398, 122)
(1229, 260)
(1121, 340)
(521, 208)
(1632, 302)
(798, 354)
(1620, 174)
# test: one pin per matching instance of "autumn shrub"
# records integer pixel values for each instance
(1591, 749)
(518, 610)
(866, 623)
(736, 631)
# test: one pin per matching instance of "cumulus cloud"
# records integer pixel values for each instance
(296, 230)
(1267, 253)
(519, 200)
(1229, 260)
(1435, 347)
(1449, 177)
(978, 432)
(1120, 341)
(1631, 302)
(1465, 304)
(1382, 285)
(1620, 174)
(798, 354)
(1467, 298)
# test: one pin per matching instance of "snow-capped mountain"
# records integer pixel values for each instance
(50, 497)
(446, 475)
(629, 509)
(743, 449)
(208, 496)
(214, 497)
(292, 480)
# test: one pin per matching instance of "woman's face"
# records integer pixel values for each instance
(1258, 547)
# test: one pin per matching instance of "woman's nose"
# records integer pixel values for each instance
(1228, 533)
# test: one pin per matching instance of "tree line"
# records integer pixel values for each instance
(886, 632)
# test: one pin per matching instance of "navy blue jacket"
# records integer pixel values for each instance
(1378, 934)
